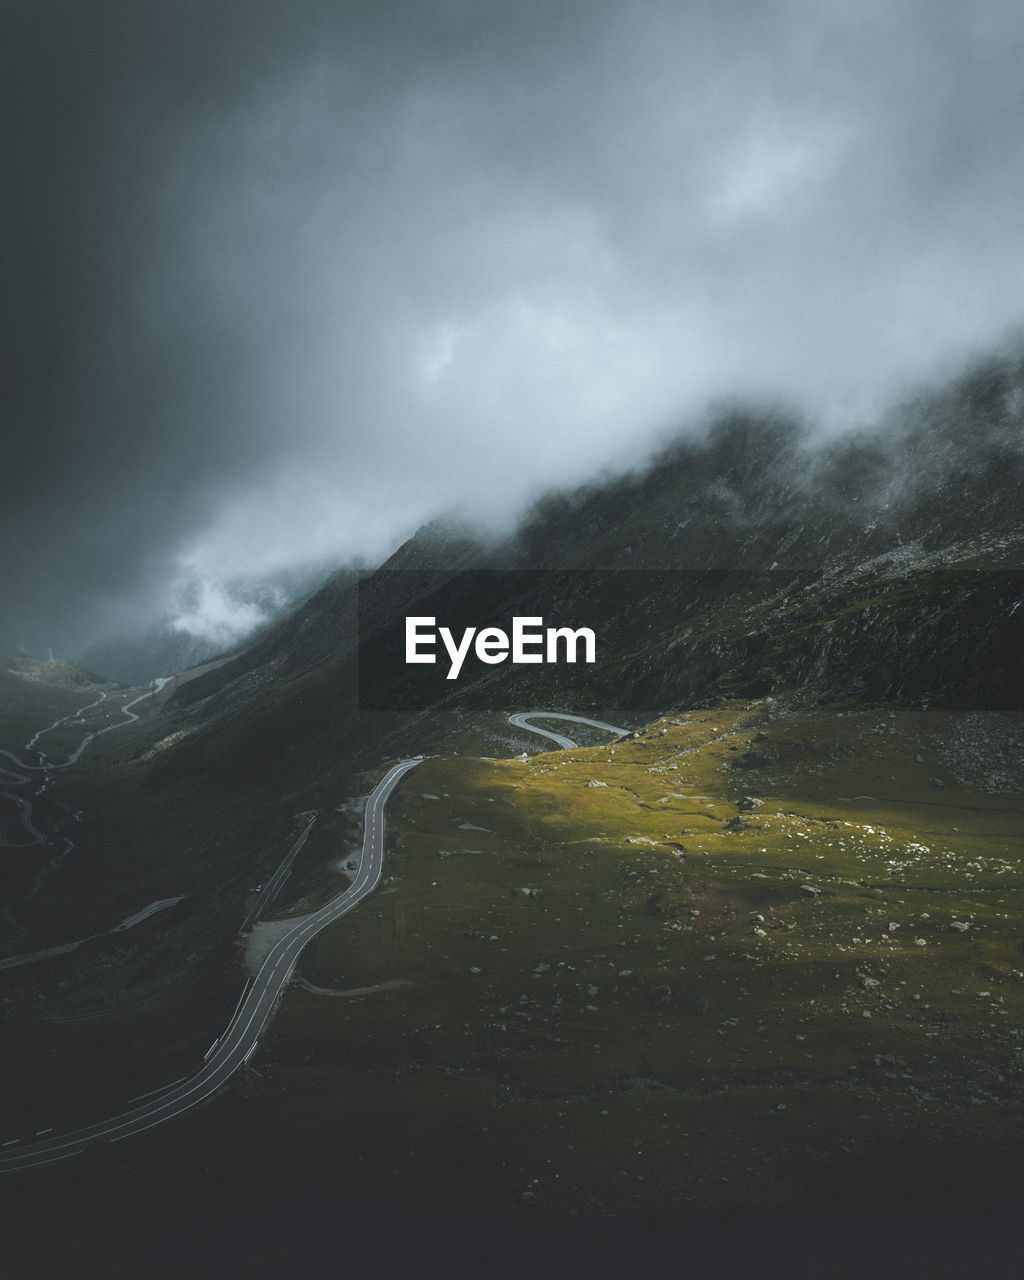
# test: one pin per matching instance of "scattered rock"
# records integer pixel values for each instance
(594, 782)
(661, 909)
(881, 1062)
(751, 760)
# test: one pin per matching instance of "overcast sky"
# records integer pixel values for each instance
(282, 279)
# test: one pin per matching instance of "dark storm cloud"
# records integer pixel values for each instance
(284, 279)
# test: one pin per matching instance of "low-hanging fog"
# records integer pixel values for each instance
(285, 279)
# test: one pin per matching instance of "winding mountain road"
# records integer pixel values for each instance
(521, 720)
(46, 767)
(239, 1041)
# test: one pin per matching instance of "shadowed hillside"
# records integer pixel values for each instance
(768, 939)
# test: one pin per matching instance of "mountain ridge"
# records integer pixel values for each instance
(700, 967)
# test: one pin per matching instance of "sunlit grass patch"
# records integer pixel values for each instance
(710, 940)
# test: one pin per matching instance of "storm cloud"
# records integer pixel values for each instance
(284, 280)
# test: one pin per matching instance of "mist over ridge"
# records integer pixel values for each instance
(743, 489)
(286, 281)
(695, 326)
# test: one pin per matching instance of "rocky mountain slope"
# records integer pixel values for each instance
(764, 933)
(884, 565)
(751, 559)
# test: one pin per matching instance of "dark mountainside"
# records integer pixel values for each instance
(884, 566)
(136, 653)
(750, 563)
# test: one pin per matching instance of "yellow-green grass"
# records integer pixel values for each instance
(668, 1016)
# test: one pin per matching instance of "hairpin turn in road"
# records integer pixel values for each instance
(238, 1042)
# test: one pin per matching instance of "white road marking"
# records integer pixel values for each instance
(162, 1089)
(521, 718)
(261, 995)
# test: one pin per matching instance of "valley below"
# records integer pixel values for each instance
(707, 957)
(759, 959)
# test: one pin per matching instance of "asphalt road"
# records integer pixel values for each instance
(266, 896)
(239, 1041)
(46, 768)
(521, 718)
